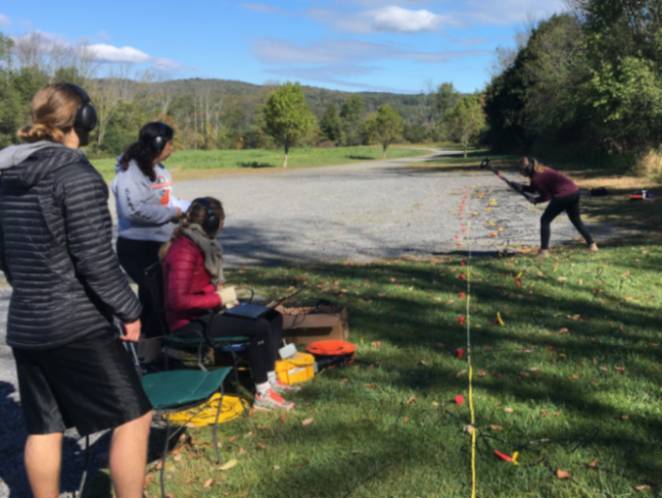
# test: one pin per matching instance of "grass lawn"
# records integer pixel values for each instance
(184, 161)
(572, 380)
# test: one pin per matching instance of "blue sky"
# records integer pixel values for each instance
(401, 46)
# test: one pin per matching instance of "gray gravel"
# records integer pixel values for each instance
(359, 212)
(380, 209)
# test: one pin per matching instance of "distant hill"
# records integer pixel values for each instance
(213, 113)
(412, 106)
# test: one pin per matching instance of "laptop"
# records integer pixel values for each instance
(247, 310)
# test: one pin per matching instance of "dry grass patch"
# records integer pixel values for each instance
(650, 165)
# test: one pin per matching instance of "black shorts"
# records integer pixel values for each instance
(90, 384)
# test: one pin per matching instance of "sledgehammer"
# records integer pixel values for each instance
(517, 187)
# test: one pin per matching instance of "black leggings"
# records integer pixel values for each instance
(265, 333)
(135, 257)
(569, 204)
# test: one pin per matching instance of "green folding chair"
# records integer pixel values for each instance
(192, 341)
(176, 390)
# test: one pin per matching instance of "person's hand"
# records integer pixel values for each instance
(177, 217)
(131, 331)
(228, 296)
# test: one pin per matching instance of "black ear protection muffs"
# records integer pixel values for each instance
(86, 115)
(158, 144)
(211, 223)
(156, 135)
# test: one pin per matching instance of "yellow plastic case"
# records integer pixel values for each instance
(200, 416)
(296, 369)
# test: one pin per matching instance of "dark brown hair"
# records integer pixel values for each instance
(197, 213)
(143, 151)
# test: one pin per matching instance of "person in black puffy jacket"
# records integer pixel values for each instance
(56, 253)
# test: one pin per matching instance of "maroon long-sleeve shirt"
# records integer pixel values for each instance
(551, 184)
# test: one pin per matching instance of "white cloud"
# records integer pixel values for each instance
(262, 8)
(393, 18)
(390, 18)
(369, 16)
(4, 21)
(272, 51)
(337, 62)
(103, 52)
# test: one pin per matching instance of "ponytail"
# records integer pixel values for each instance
(41, 131)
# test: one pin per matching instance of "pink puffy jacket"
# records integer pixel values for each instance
(189, 292)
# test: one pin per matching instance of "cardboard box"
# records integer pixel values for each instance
(309, 324)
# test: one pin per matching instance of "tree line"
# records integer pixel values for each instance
(210, 114)
(588, 81)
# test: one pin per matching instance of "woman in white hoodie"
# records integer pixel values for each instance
(146, 208)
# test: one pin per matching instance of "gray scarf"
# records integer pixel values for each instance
(210, 247)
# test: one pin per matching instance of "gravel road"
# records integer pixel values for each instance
(377, 209)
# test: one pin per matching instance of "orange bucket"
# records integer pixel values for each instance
(332, 352)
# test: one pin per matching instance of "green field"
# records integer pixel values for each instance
(187, 160)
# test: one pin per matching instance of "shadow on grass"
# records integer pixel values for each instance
(400, 303)
(256, 164)
(12, 440)
(360, 157)
(619, 210)
(415, 325)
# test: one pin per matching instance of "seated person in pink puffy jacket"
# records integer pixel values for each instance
(193, 277)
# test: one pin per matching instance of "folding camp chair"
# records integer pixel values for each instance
(172, 391)
(176, 390)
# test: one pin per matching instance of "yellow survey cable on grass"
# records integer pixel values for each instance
(472, 411)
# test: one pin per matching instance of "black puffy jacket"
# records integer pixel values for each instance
(56, 252)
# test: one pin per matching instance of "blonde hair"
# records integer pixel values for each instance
(54, 110)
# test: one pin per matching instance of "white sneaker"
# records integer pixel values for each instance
(282, 388)
(271, 400)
